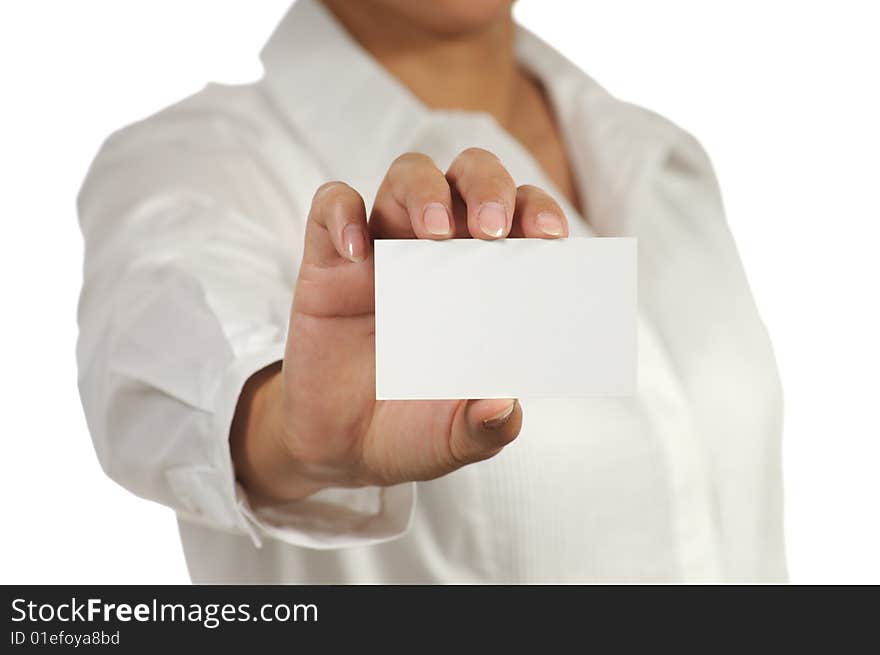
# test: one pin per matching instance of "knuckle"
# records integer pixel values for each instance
(501, 179)
(492, 186)
(456, 456)
(475, 152)
(427, 185)
(533, 199)
(530, 190)
(476, 168)
(414, 176)
(411, 159)
(333, 191)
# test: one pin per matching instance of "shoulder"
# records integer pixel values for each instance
(645, 139)
(218, 141)
(636, 159)
(217, 118)
(623, 140)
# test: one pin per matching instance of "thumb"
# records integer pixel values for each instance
(483, 428)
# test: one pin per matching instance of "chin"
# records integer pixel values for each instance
(449, 17)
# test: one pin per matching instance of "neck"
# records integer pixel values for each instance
(476, 71)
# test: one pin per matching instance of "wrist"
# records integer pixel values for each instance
(263, 464)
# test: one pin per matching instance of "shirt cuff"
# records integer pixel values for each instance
(328, 519)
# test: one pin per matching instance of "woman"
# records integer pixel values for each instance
(257, 423)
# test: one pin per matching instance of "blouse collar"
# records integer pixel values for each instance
(355, 117)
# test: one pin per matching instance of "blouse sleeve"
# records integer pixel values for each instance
(191, 250)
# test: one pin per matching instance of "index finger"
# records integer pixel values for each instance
(413, 200)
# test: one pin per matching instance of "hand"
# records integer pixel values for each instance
(315, 422)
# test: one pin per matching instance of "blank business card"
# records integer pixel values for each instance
(513, 318)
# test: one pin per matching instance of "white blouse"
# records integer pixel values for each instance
(193, 222)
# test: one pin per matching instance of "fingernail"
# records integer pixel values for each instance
(354, 242)
(437, 219)
(550, 224)
(499, 419)
(492, 219)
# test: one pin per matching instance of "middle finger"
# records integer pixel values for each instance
(487, 191)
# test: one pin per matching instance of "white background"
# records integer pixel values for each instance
(784, 95)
